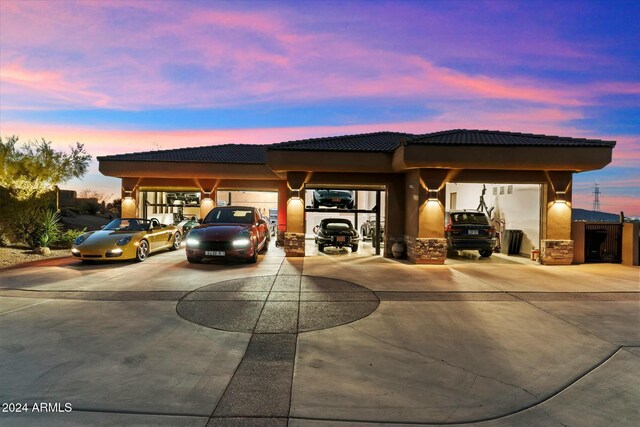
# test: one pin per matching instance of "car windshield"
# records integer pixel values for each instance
(230, 216)
(337, 226)
(128, 224)
(475, 218)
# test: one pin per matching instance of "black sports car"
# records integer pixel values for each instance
(337, 232)
(339, 198)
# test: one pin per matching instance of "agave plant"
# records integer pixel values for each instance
(50, 227)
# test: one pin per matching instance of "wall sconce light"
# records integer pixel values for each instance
(295, 194)
(561, 197)
(433, 196)
(127, 194)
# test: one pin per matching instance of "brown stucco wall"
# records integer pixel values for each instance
(187, 170)
(630, 243)
(485, 157)
(577, 232)
(327, 161)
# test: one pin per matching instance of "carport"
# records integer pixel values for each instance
(413, 170)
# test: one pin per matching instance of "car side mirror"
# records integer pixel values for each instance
(200, 220)
(261, 221)
(102, 226)
(315, 229)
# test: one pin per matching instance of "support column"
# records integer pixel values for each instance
(207, 201)
(294, 237)
(283, 197)
(395, 211)
(427, 193)
(129, 207)
(556, 246)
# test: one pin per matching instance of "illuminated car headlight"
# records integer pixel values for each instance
(193, 238)
(192, 241)
(116, 251)
(79, 240)
(241, 243)
(123, 241)
(75, 251)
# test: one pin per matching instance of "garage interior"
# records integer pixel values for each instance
(511, 207)
(365, 216)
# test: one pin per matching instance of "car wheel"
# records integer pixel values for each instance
(350, 205)
(363, 233)
(320, 247)
(316, 204)
(177, 240)
(142, 252)
(254, 258)
(194, 260)
(485, 253)
(354, 248)
(265, 248)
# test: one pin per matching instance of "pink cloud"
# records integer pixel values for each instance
(251, 56)
(53, 83)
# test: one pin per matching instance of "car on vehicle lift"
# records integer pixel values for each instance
(336, 232)
(339, 198)
(229, 232)
(470, 230)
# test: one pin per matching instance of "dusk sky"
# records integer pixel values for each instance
(122, 76)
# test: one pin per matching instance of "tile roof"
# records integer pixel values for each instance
(384, 142)
(380, 142)
(226, 153)
(494, 137)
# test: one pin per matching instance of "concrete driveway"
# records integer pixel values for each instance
(333, 339)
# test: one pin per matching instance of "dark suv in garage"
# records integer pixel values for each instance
(471, 230)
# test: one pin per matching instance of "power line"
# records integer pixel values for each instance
(596, 197)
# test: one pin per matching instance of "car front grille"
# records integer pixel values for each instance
(215, 245)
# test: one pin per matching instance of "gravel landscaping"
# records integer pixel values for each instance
(10, 256)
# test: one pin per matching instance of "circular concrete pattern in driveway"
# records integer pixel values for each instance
(277, 304)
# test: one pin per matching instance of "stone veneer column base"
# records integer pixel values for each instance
(294, 244)
(426, 250)
(556, 252)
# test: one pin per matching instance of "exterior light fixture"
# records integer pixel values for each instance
(561, 197)
(127, 194)
(433, 196)
(295, 194)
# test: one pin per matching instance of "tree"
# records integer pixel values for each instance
(35, 168)
(88, 193)
(28, 173)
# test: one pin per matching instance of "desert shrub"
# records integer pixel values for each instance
(37, 227)
(50, 223)
(90, 208)
(65, 239)
(69, 212)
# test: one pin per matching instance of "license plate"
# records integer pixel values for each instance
(472, 232)
(214, 253)
(335, 199)
(340, 239)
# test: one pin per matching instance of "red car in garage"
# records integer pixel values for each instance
(228, 232)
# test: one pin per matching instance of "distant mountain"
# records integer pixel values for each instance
(586, 215)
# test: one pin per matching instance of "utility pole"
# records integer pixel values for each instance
(596, 197)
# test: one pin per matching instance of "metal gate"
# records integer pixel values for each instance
(603, 242)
